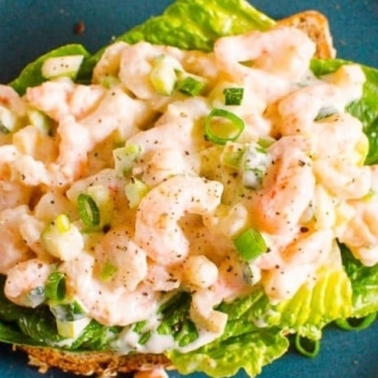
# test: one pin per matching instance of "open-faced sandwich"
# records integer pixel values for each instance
(190, 197)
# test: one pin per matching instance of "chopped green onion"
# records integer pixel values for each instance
(55, 288)
(8, 120)
(40, 120)
(68, 311)
(144, 338)
(265, 142)
(135, 190)
(233, 96)
(163, 74)
(125, 158)
(62, 222)
(88, 210)
(190, 86)
(307, 347)
(232, 155)
(250, 244)
(108, 271)
(229, 129)
(356, 324)
(4, 129)
(139, 326)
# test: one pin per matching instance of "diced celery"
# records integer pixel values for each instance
(62, 66)
(104, 201)
(125, 157)
(108, 271)
(72, 329)
(62, 239)
(232, 155)
(40, 120)
(8, 120)
(135, 190)
(163, 74)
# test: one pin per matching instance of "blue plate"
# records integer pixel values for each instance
(32, 27)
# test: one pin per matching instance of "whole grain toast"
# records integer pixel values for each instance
(106, 364)
(316, 26)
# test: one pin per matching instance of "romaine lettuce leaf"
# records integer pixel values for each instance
(260, 329)
(31, 75)
(249, 350)
(366, 108)
(214, 18)
(364, 281)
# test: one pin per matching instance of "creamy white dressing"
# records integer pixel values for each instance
(128, 341)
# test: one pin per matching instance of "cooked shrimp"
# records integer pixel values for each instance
(299, 109)
(11, 100)
(84, 100)
(53, 203)
(298, 263)
(181, 120)
(309, 248)
(339, 167)
(151, 373)
(281, 284)
(13, 194)
(166, 163)
(136, 65)
(156, 225)
(51, 97)
(199, 271)
(229, 283)
(110, 115)
(13, 247)
(109, 63)
(163, 277)
(342, 179)
(360, 233)
(103, 302)
(32, 141)
(283, 52)
(287, 188)
(24, 279)
(126, 261)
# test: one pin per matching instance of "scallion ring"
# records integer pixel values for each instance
(190, 86)
(55, 288)
(356, 324)
(233, 96)
(306, 347)
(88, 210)
(222, 126)
(250, 244)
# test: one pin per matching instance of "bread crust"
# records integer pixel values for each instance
(107, 364)
(316, 26)
(99, 364)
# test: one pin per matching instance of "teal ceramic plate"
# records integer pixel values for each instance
(32, 27)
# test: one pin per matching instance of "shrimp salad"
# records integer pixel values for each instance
(208, 176)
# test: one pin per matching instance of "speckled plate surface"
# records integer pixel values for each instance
(32, 27)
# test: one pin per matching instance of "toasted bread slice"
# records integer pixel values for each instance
(106, 364)
(316, 26)
(99, 364)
